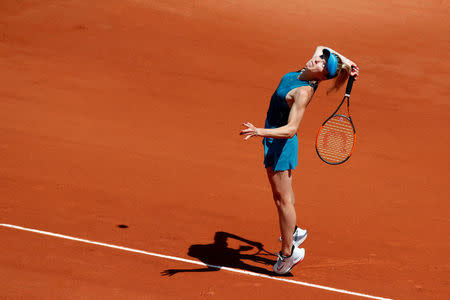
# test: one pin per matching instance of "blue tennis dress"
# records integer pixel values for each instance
(281, 154)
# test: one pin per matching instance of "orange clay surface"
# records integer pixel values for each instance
(128, 112)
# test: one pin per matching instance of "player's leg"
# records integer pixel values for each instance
(283, 195)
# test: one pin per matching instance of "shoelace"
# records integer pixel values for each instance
(280, 256)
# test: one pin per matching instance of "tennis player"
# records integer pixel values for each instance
(287, 105)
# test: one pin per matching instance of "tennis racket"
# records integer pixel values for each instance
(336, 138)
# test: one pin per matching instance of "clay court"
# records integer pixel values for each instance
(123, 175)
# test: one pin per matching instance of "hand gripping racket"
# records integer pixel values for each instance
(336, 137)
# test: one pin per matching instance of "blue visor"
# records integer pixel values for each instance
(331, 63)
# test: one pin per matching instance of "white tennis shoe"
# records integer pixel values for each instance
(299, 236)
(285, 263)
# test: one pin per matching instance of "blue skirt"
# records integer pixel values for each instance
(281, 154)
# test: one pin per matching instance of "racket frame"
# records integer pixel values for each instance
(335, 114)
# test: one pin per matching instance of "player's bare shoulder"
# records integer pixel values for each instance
(301, 95)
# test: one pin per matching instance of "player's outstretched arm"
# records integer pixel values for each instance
(301, 98)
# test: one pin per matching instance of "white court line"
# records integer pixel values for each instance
(62, 236)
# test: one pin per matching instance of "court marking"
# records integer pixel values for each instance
(67, 237)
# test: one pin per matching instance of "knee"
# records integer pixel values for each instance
(283, 200)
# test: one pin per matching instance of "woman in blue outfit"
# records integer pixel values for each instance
(287, 105)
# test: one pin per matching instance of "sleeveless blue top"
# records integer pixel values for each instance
(281, 154)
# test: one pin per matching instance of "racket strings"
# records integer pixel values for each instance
(336, 139)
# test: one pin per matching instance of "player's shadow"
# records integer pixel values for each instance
(218, 255)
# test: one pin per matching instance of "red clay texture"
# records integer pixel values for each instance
(128, 112)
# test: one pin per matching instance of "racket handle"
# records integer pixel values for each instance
(349, 86)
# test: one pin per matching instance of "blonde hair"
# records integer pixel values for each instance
(341, 77)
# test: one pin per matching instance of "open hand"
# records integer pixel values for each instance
(250, 131)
